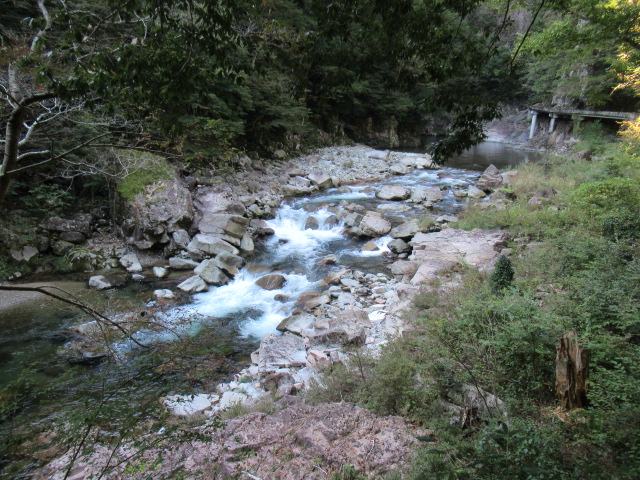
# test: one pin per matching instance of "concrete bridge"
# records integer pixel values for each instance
(576, 115)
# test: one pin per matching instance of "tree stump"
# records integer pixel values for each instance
(572, 368)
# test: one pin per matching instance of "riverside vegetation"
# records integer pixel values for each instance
(499, 332)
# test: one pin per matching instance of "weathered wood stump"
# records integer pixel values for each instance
(572, 368)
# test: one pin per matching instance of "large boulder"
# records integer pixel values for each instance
(281, 351)
(273, 281)
(60, 225)
(406, 230)
(321, 180)
(131, 262)
(178, 263)
(441, 250)
(193, 284)
(206, 245)
(296, 191)
(162, 209)
(99, 282)
(348, 327)
(373, 225)
(296, 323)
(429, 194)
(400, 168)
(209, 271)
(228, 227)
(490, 180)
(393, 192)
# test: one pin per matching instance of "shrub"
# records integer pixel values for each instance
(502, 275)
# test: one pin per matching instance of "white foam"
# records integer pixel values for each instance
(382, 245)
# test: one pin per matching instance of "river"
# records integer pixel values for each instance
(224, 324)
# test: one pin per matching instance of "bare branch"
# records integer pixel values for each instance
(33, 153)
(47, 26)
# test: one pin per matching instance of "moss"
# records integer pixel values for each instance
(152, 169)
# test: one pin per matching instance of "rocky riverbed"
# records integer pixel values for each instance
(347, 308)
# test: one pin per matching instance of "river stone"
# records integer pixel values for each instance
(164, 293)
(311, 223)
(334, 277)
(508, 177)
(223, 224)
(475, 192)
(207, 244)
(99, 282)
(406, 230)
(429, 194)
(178, 263)
(398, 246)
(316, 301)
(296, 172)
(57, 224)
(370, 246)
(160, 272)
(400, 168)
(300, 181)
(261, 227)
(331, 221)
(344, 189)
(181, 238)
(404, 267)
(29, 254)
(350, 282)
(353, 219)
(373, 225)
(209, 271)
(378, 154)
(246, 244)
(490, 179)
(296, 323)
(348, 327)
(131, 262)
(425, 162)
(225, 259)
(273, 281)
(295, 191)
(393, 192)
(193, 284)
(61, 247)
(321, 180)
(281, 351)
(393, 208)
(328, 260)
(73, 237)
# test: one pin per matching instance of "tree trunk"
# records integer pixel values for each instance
(572, 368)
(11, 146)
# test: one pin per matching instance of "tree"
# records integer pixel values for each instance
(102, 56)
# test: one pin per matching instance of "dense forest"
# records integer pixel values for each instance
(92, 91)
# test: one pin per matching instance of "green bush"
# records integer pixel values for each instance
(502, 275)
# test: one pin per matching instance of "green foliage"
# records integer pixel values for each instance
(48, 199)
(152, 169)
(502, 275)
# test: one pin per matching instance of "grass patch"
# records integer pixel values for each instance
(150, 169)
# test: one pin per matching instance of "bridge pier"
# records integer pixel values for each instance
(552, 122)
(534, 121)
